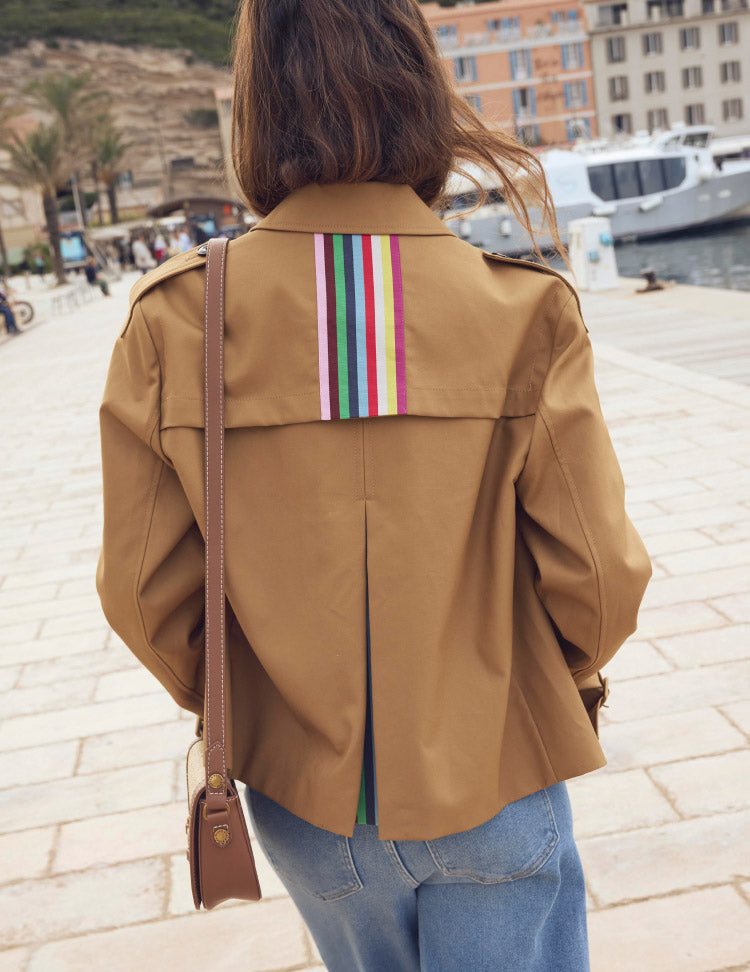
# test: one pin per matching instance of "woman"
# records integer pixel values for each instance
(428, 560)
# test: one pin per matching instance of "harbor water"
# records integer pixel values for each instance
(718, 257)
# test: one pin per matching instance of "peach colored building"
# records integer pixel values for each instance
(525, 64)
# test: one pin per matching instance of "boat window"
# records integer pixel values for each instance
(601, 182)
(674, 171)
(626, 179)
(652, 177)
(697, 139)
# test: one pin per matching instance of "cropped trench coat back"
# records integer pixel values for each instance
(486, 525)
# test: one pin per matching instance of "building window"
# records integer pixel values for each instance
(575, 94)
(729, 71)
(612, 14)
(659, 9)
(708, 6)
(466, 68)
(618, 88)
(657, 118)
(695, 114)
(652, 44)
(520, 64)
(446, 35)
(572, 56)
(690, 38)
(734, 4)
(509, 28)
(577, 128)
(729, 33)
(692, 77)
(524, 102)
(615, 49)
(474, 100)
(528, 134)
(654, 81)
(622, 123)
(731, 109)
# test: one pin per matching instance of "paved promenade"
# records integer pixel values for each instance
(92, 803)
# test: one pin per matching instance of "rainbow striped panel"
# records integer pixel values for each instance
(361, 353)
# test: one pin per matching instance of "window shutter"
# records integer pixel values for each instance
(532, 101)
(567, 94)
(584, 94)
(516, 103)
(527, 52)
(564, 51)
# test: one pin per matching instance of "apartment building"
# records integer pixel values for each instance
(657, 62)
(524, 64)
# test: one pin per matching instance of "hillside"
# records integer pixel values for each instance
(201, 26)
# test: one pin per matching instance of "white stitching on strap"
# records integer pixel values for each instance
(221, 499)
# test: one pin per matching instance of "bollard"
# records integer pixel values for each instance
(592, 253)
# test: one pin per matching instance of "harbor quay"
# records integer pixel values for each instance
(92, 788)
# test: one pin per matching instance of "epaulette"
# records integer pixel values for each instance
(189, 260)
(539, 267)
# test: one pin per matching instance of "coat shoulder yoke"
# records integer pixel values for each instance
(539, 267)
(180, 263)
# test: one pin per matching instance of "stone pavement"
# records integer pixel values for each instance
(92, 804)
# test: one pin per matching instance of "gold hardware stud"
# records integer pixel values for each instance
(221, 835)
(215, 781)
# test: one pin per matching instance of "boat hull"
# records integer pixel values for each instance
(717, 200)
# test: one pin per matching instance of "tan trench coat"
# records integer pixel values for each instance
(502, 570)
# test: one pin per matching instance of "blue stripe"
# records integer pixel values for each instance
(351, 329)
(359, 303)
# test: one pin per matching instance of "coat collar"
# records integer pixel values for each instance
(359, 207)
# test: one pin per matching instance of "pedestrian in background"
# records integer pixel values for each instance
(160, 248)
(142, 256)
(428, 559)
(184, 241)
(91, 269)
(5, 309)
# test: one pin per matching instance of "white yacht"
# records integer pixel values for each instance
(649, 185)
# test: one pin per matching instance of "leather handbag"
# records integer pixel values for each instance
(219, 850)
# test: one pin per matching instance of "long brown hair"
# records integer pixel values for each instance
(354, 91)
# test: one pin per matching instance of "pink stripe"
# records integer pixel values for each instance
(398, 323)
(320, 280)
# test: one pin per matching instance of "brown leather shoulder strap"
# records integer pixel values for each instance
(215, 620)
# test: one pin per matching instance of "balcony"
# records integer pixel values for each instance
(497, 40)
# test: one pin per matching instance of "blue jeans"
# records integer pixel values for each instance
(10, 320)
(507, 896)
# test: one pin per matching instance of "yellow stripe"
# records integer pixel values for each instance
(390, 327)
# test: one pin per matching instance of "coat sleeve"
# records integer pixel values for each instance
(592, 567)
(150, 574)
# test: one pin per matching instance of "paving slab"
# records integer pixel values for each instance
(685, 855)
(258, 937)
(698, 931)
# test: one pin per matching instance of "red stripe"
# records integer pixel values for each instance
(333, 364)
(372, 367)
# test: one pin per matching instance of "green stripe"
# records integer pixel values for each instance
(362, 808)
(338, 266)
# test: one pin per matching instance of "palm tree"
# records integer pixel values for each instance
(109, 151)
(72, 102)
(8, 110)
(39, 161)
